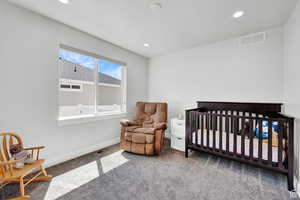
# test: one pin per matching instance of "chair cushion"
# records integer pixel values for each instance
(144, 149)
(128, 136)
(131, 128)
(145, 130)
(149, 113)
(139, 138)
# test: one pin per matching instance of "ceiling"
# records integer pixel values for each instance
(178, 25)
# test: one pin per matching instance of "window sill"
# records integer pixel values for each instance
(64, 121)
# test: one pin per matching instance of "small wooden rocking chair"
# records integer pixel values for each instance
(9, 174)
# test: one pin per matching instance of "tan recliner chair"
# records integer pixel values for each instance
(145, 135)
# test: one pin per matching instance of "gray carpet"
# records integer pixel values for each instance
(116, 175)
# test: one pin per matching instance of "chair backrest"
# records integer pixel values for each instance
(6, 140)
(150, 113)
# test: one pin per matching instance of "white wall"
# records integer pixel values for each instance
(223, 71)
(292, 74)
(29, 47)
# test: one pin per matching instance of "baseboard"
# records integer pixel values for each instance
(297, 186)
(80, 152)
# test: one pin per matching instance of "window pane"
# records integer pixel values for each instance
(78, 71)
(65, 86)
(109, 89)
(75, 86)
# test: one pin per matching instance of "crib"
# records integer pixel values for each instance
(252, 133)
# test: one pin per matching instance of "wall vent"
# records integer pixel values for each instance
(253, 38)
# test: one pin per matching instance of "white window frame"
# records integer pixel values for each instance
(77, 119)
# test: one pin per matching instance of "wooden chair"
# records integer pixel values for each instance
(9, 174)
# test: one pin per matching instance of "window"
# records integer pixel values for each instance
(109, 86)
(90, 86)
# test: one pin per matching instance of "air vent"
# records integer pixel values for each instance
(253, 38)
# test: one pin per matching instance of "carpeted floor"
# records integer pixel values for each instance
(116, 175)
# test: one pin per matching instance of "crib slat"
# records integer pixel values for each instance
(231, 122)
(227, 132)
(197, 127)
(280, 145)
(270, 142)
(192, 127)
(214, 131)
(290, 154)
(243, 136)
(210, 120)
(207, 130)
(216, 120)
(221, 132)
(285, 131)
(260, 140)
(202, 129)
(255, 121)
(187, 133)
(239, 121)
(251, 139)
(235, 124)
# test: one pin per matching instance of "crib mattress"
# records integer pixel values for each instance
(239, 141)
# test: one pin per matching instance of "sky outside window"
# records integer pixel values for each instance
(110, 69)
(106, 67)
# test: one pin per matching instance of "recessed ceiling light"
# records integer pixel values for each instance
(146, 45)
(238, 14)
(155, 6)
(64, 1)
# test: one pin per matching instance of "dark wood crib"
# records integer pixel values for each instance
(238, 131)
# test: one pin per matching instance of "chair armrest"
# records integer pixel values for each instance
(6, 163)
(34, 148)
(35, 151)
(160, 126)
(126, 122)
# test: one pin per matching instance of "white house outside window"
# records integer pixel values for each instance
(90, 86)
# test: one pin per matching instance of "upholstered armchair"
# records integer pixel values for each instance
(145, 134)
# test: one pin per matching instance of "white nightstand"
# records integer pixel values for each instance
(178, 134)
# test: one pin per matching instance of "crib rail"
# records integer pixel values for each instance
(238, 135)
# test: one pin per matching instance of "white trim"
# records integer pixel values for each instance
(96, 79)
(63, 121)
(72, 81)
(124, 89)
(85, 150)
(93, 55)
(109, 84)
